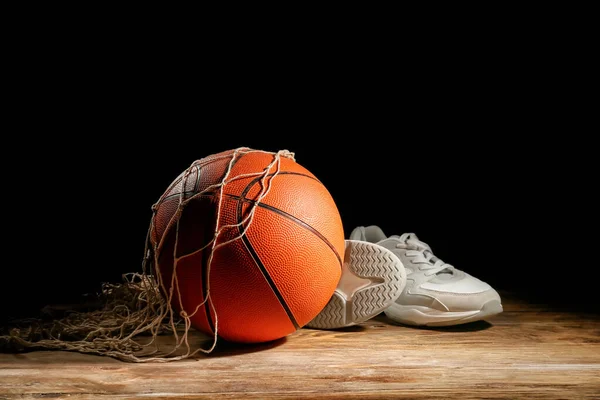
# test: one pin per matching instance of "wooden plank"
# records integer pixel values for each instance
(525, 352)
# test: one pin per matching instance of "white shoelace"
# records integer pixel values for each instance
(421, 254)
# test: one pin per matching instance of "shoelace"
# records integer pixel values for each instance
(421, 254)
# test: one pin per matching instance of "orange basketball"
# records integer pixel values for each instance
(277, 257)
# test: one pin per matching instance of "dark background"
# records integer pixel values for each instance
(483, 152)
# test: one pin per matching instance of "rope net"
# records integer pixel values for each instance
(126, 319)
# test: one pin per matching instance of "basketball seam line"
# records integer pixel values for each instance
(197, 183)
(241, 200)
(258, 261)
(205, 277)
(198, 164)
(293, 219)
(194, 191)
(284, 214)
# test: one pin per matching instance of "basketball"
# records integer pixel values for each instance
(248, 244)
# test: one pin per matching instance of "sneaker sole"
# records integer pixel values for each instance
(373, 277)
(424, 316)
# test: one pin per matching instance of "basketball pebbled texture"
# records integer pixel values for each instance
(275, 278)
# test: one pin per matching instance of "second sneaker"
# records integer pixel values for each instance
(436, 293)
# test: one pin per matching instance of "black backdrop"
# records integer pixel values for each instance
(487, 166)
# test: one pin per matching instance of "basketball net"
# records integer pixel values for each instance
(134, 313)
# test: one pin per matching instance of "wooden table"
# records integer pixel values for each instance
(529, 351)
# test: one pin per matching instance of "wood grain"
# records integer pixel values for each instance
(528, 351)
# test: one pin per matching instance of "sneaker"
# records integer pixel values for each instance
(372, 279)
(436, 294)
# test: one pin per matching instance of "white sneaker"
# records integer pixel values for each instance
(436, 293)
(372, 279)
